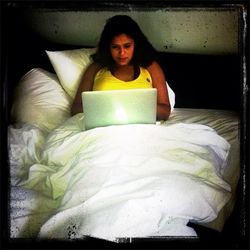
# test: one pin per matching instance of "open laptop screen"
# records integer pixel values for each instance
(116, 107)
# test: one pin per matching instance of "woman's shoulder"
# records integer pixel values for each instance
(93, 67)
(91, 71)
(153, 66)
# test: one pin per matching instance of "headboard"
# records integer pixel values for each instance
(199, 80)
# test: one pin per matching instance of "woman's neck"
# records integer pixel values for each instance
(125, 72)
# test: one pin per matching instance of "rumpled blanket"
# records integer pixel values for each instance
(121, 181)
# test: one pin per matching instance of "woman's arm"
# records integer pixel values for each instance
(86, 84)
(159, 82)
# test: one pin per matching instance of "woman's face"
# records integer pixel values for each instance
(122, 49)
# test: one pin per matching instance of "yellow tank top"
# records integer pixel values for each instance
(104, 80)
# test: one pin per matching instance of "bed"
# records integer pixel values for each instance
(123, 182)
(53, 159)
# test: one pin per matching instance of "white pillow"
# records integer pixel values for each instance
(40, 100)
(171, 96)
(69, 66)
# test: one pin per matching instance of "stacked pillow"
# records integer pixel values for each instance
(43, 98)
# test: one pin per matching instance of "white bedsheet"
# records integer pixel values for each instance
(118, 181)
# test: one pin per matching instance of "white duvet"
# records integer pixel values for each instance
(118, 181)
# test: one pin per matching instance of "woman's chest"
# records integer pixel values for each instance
(105, 80)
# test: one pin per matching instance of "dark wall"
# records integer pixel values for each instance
(204, 81)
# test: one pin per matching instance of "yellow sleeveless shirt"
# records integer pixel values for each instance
(104, 80)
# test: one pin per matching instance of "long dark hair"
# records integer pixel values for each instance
(144, 53)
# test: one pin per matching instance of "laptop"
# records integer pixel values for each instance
(119, 107)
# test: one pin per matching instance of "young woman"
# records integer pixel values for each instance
(124, 60)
